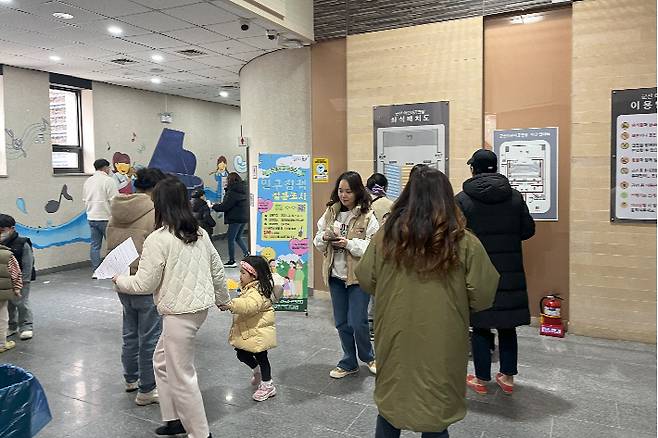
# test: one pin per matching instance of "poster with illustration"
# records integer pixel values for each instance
(284, 203)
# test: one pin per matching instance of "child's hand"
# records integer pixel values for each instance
(114, 279)
(17, 292)
(224, 307)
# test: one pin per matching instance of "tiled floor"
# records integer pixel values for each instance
(575, 387)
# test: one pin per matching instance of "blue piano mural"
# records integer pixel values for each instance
(170, 157)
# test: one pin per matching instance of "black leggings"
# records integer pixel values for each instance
(252, 360)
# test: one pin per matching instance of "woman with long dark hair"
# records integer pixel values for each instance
(344, 232)
(235, 207)
(184, 269)
(427, 272)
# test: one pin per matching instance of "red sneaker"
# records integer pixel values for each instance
(507, 389)
(479, 388)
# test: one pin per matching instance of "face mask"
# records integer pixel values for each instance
(4, 236)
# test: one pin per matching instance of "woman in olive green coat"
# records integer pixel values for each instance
(428, 274)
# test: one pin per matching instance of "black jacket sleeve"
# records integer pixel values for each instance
(230, 199)
(527, 222)
(207, 218)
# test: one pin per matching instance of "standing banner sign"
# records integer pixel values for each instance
(634, 155)
(284, 205)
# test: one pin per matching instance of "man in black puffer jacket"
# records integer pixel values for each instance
(499, 216)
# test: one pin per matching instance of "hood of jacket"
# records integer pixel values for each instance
(127, 209)
(490, 188)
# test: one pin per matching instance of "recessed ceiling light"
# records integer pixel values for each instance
(223, 93)
(156, 80)
(63, 15)
(115, 30)
(5, 1)
(157, 57)
(55, 58)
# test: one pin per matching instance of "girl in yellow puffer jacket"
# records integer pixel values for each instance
(253, 331)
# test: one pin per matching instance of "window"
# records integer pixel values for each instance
(66, 129)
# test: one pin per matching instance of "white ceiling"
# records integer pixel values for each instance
(30, 35)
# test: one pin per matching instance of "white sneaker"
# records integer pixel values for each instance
(132, 386)
(147, 398)
(26, 334)
(339, 373)
(372, 366)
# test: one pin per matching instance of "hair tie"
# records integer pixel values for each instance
(250, 269)
(378, 190)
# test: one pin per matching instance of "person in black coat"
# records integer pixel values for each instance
(201, 211)
(499, 217)
(235, 207)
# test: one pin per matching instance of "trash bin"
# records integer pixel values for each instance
(24, 408)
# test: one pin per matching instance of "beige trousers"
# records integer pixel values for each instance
(175, 375)
(4, 321)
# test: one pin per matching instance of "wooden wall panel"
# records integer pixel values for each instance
(612, 266)
(329, 120)
(527, 71)
(433, 62)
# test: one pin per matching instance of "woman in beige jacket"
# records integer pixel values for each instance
(133, 216)
(181, 266)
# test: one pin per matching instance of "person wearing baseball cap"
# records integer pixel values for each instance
(499, 217)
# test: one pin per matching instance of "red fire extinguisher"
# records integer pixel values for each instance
(550, 308)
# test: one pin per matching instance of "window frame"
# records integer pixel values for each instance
(79, 149)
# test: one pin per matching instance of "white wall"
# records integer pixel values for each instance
(276, 109)
(210, 130)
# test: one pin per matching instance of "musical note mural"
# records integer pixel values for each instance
(53, 206)
(34, 133)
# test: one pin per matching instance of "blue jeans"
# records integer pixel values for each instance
(234, 234)
(387, 430)
(97, 235)
(141, 330)
(350, 306)
(20, 314)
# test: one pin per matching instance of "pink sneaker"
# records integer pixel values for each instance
(257, 378)
(264, 391)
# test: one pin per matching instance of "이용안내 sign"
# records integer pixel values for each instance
(634, 155)
(284, 201)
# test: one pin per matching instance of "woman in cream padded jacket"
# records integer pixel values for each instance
(184, 269)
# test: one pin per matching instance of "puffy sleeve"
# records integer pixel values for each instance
(247, 305)
(218, 277)
(357, 247)
(366, 270)
(318, 242)
(149, 274)
(527, 223)
(481, 276)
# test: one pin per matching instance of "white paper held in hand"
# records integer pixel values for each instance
(118, 261)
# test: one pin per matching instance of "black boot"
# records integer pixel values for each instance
(173, 427)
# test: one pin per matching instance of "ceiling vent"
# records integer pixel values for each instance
(123, 61)
(191, 52)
